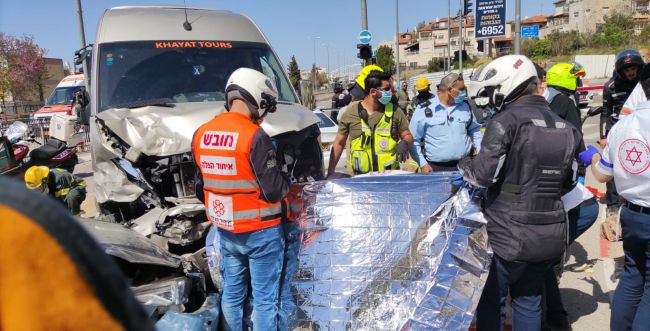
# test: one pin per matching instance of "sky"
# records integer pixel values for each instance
(290, 25)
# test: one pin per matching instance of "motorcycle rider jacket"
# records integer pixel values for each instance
(615, 93)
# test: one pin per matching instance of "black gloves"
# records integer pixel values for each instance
(402, 150)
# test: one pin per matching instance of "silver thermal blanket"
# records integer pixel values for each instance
(389, 253)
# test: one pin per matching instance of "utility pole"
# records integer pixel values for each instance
(397, 33)
(314, 69)
(460, 38)
(448, 35)
(364, 15)
(364, 22)
(83, 43)
(327, 46)
(517, 27)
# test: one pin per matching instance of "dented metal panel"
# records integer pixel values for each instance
(162, 131)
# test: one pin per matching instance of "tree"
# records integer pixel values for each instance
(561, 43)
(25, 65)
(536, 48)
(313, 75)
(618, 30)
(385, 58)
(436, 65)
(294, 72)
(5, 83)
(645, 34)
(323, 78)
(5, 80)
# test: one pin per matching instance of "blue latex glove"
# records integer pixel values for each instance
(588, 154)
(457, 181)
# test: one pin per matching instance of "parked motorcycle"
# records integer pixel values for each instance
(53, 154)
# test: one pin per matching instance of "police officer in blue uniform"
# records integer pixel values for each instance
(444, 128)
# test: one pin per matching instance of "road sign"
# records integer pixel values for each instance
(490, 19)
(530, 31)
(365, 37)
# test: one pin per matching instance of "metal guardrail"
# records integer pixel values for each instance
(13, 108)
(434, 78)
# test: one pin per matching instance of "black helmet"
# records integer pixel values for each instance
(338, 88)
(628, 58)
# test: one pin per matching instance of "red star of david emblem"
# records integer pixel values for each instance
(218, 208)
(634, 159)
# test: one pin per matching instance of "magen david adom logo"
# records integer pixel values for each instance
(218, 208)
(634, 156)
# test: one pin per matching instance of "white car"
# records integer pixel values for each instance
(328, 130)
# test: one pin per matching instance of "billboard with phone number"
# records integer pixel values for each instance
(490, 19)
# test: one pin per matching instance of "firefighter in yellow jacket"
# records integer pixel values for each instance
(59, 183)
(243, 192)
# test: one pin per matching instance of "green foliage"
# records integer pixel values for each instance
(536, 48)
(614, 35)
(323, 79)
(385, 58)
(435, 65)
(481, 61)
(294, 72)
(565, 42)
(617, 31)
(645, 34)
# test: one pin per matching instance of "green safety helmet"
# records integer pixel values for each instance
(564, 75)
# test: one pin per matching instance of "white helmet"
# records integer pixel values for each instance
(502, 80)
(254, 88)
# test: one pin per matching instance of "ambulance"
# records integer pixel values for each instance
(60, 101)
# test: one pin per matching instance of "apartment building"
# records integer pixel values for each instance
(585, 15)
(417, 48)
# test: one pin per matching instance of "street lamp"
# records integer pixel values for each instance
(313, 74)
(327, 46)
(83, 43)
(397, 33)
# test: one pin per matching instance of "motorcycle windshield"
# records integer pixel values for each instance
(180, 71)
(15, 131)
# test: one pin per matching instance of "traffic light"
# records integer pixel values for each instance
(365, 51)
(467, 7)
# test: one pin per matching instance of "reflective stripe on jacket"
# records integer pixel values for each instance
(374, 149)
(64, 182)
(222, 151)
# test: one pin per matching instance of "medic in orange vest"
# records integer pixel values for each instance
(243, 191)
